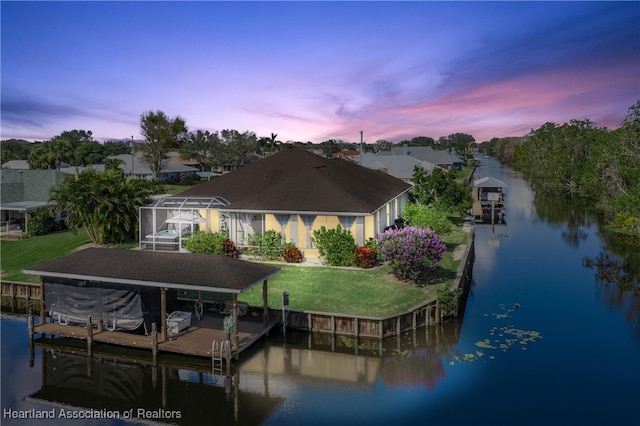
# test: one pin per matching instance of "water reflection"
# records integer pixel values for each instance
(617, 269)
(181, 390)
(559, 210)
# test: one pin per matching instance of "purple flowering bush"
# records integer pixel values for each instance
(413, 253)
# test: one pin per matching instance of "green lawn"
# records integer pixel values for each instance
(317, 288)
(176, 188)
(373, 292)
(463, 175)
(20, 254)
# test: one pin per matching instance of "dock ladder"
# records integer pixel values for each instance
(218, 352)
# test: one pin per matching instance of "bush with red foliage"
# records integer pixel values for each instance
(292, 254)
(230, 248)
(366, 257)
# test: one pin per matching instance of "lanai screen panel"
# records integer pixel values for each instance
(168, 222)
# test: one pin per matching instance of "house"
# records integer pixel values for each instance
(24, 165)
(438, 157)
(293, 192)
(136, 166)
(346, 153)
(23, 191)
(400, 166)
(170, 171)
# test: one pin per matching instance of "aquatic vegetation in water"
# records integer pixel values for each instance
(346, 341)
(507, 337)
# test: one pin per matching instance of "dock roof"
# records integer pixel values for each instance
(177, 270)
(489, 182)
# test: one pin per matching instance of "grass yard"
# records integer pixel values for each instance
(374, 292)
(171, 188)
(20, 254)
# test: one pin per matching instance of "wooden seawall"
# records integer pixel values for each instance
(20, 290)
(426, 313)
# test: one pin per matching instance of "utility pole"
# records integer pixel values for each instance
(361, 147)
(132, 158)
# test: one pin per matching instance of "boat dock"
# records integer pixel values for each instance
(196, 340)
(488, 200)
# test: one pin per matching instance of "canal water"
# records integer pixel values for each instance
(546, 339)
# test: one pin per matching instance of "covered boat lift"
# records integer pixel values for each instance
(104, 282)
(488, 199)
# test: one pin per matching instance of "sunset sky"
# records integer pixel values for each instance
(312, 71)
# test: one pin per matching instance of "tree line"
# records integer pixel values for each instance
(581, 159)
(162, 134)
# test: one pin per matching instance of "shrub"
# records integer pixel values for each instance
(267, 246)
(337, 245)
(229, 248)
(208, 243)
(41, 222)
(447, 299)
(413, 253)
(366, 257)
(292, 254)
(427, 217)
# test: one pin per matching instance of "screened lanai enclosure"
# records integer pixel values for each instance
(168, 222)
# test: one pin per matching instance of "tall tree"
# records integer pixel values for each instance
(76, 137)
(201, 146)
(161, 134)
(15, 149)
(441, 190)
(88, 153)
(117, 148)
(461, 143)
(237, 147)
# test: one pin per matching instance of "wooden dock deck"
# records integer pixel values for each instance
(195, 340)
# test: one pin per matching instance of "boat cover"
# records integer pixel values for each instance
(119, 306)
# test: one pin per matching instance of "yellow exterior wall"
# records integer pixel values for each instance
(369, 227)
(213, 220)
(387, 214)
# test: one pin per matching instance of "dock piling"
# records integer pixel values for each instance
(89, 336)
(30, 327)
(154, 342)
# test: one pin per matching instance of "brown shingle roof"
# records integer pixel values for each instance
(299, 181)
(158, 269)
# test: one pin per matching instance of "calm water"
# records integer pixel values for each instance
(542, 342)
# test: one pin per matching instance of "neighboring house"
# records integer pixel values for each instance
(23, 191)
(24, 165)
(131, 165)
(16, 165)
(177, 159)
(400, 166)
(438, 157)
(346, 153)
(292, 192)
(135, 166)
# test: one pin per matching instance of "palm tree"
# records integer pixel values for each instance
(41, 158)
(105, 204)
